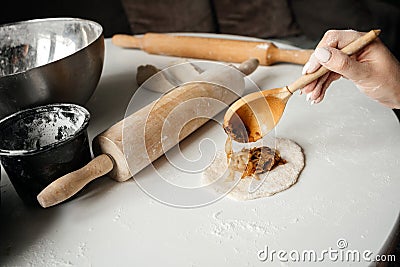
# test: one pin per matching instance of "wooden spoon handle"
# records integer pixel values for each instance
(69, 184)
(350, 49)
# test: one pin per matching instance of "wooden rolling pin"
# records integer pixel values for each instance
(147, 135)
(212, 48)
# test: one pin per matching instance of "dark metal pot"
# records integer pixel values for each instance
(41, 144)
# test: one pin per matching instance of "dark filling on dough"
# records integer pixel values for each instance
(252, 162)
(261, 160)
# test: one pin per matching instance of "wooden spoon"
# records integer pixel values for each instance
(253, 116)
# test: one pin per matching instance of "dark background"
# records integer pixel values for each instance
(259, 18)
(300, 22)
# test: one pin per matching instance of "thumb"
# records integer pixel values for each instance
(337, 61)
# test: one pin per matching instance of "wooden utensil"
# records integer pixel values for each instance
(145, 133)
(211, 48)
(253, 116)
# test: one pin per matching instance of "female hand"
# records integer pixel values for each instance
(374, 70)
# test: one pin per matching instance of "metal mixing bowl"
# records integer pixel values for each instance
(48, 61)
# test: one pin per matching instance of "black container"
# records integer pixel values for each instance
(41, 144)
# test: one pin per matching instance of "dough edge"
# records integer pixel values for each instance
(279, 179)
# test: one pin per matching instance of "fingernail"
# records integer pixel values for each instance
(308, 97)
(312, 102)
(305, 68)
(322, 54)
(313, 65)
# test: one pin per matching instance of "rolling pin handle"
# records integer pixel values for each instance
(71, 183)
(296, 56)
(249, 66)
(127, 41)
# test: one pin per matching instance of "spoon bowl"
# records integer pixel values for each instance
(253, 116)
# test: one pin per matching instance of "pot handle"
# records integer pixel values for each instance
(71, 183)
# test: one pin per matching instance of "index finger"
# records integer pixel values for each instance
(333, 38)
(339, 38)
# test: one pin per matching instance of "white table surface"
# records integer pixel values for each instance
(348, 189)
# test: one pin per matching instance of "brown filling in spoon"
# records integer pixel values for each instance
(253, 116)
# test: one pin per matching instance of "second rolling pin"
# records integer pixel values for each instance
(212, 48)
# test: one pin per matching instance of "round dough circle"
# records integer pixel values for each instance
(274, 181)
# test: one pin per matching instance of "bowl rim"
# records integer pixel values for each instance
(30, 21)
(40, 109)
